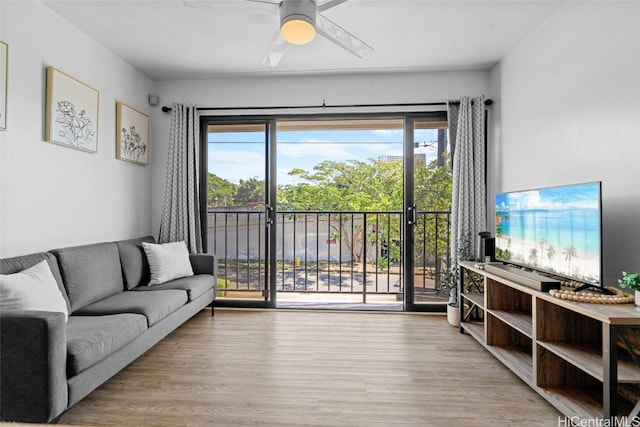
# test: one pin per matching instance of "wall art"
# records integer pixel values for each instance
(72, 112)
(132, 134)
(4, 83)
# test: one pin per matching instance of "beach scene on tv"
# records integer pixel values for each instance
(552, 229)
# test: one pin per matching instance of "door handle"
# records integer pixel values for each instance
(411, 214)
(270, 214)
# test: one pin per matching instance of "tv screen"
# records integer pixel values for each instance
(554, 229)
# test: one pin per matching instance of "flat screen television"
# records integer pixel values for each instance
(553, 229)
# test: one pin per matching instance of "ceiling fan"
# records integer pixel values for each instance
(300, 20)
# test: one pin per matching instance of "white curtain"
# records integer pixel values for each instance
(468, 205)
(181, 207)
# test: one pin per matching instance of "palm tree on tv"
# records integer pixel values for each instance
(542, 242)
(533, 256)
(551, 253)
(569, 254)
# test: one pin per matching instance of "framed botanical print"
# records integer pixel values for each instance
(72, 112)
(4, 71)
(132, 134)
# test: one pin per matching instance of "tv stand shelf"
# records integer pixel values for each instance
(566, 351)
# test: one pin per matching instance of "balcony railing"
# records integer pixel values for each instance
(327, 252)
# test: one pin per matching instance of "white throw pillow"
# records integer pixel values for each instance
(32, 289)
(167, 261)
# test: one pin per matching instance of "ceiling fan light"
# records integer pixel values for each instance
(298, 21)
(297, 31)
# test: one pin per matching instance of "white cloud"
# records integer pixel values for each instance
(233, 164)
(235, 157)
(387, 132)
(316, 149)
(376, 150)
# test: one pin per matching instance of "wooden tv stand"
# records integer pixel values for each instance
(566, 351)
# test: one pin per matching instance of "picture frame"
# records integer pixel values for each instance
(71, 112)
(132, 134)
(4, 83)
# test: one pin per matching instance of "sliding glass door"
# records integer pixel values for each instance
(355, 210)
(339, 213)
(427, 208)
(238, 210)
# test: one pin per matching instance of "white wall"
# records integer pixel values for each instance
(346, 89)
(53, 196)
(568, 110)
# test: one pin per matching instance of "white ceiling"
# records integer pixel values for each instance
(167, 40)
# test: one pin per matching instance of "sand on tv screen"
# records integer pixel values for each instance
(555, 229)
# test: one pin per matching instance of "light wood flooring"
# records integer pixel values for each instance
(314, 368)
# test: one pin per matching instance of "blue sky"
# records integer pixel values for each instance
(240, 155)
(585, 196)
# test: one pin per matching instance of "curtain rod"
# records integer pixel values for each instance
(487, 102)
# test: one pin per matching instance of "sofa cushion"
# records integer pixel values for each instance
(91, 339)
(204, 264)
(17, 264)
(167, 261)
(195, 286)
(154, 305)
(32, 289)
(90, 273)
(135, 267)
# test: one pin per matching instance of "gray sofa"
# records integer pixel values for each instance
(47, 365)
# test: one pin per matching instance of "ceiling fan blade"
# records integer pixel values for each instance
(208, 4)
(265, 1)
(276, 51)
(328, 4)
(341, 37)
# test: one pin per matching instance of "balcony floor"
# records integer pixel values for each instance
(349, 302)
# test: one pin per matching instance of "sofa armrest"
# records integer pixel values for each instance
(204, 264)
(33, 363)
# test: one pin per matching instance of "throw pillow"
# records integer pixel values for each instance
(32, 289)
(167, 261)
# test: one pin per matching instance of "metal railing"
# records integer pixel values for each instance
(327, 252)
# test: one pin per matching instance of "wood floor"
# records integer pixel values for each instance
(311, 368)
